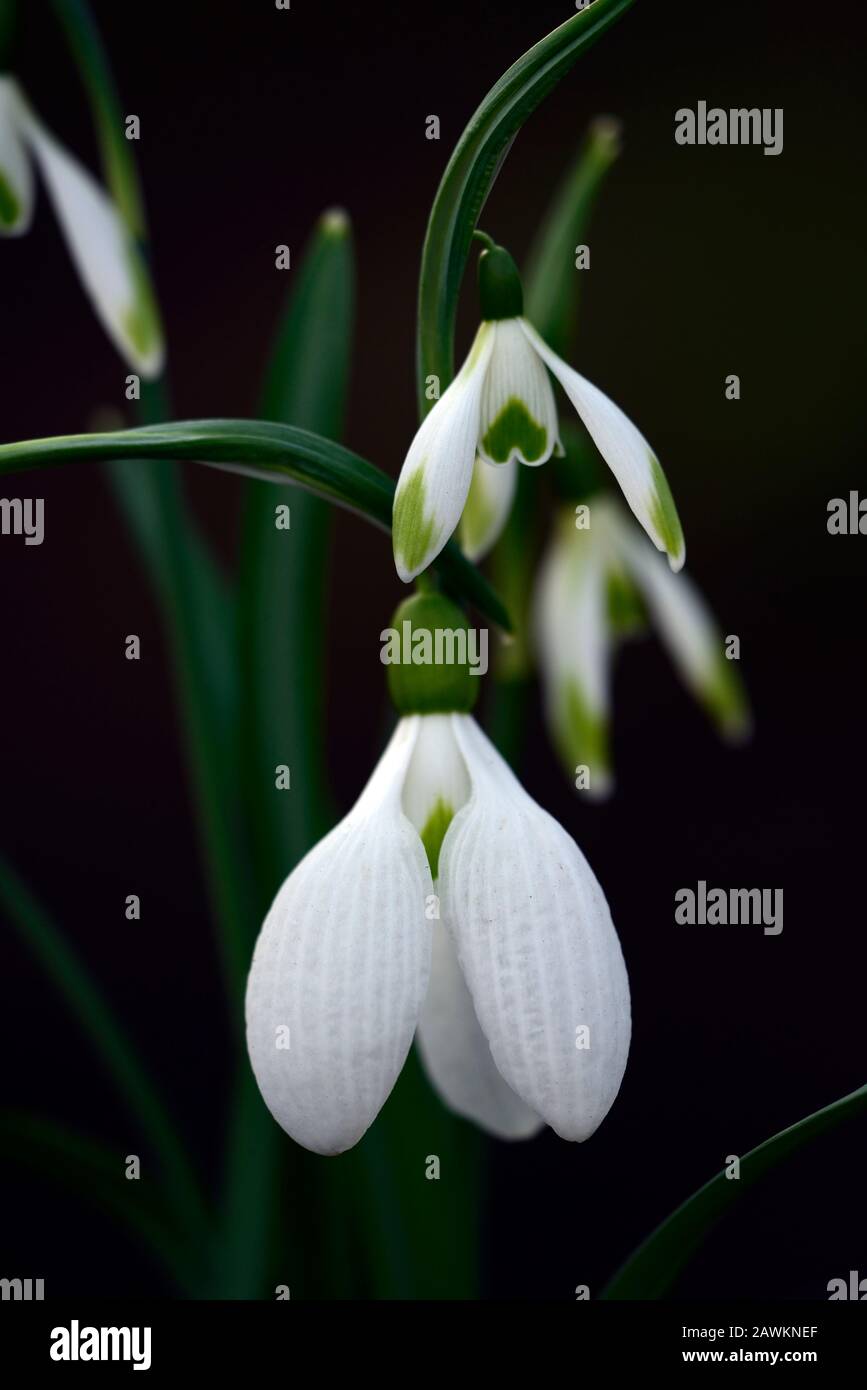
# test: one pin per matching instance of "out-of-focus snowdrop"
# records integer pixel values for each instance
(101, 245)
(600, 582)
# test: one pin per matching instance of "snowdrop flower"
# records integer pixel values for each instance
(597, 583)
(447, 900)
(500, 407)
(102, 247)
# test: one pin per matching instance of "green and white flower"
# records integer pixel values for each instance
(447, 901)
(596, 586)
(102, 247)
(500, 409)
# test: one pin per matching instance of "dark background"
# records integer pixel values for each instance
(704, 262)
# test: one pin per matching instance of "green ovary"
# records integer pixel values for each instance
(434, 832)
(10, 205)
(413, 534)
(515, 430)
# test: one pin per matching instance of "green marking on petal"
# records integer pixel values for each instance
(581, 734)
(725, 699)
(663, 514)
(141, 322)
(627, 612)
(413, 533)
(515, 429)
(434, 832)
(10, 204)
(478, 513)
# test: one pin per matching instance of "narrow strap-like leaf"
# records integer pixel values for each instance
(259, 449)
(87, 49)
(96, 1174)
(650, 1272)
(89, 1007)
(470, 175)
(551, 280)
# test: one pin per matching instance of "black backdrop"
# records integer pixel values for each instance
(705, 262)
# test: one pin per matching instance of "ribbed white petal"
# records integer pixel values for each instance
(688, 629)
(16, 174)
(487, 507)
(574, 644)
(536, 945)
(625, 450)
(456, 1054)
(519, 416)
(103, 250)
(435, 478)
(342, 963)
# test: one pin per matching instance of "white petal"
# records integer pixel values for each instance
(574, 643)
(104, 252)
(342, 962)
(487, 507)
(435, 478)
(625, 450)
(688, 629)
(456, 1055)
(16, 175)
(536, 945)
(519, 416)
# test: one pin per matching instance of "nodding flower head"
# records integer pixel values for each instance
(598, 584)
(500, 409)
(448, 902)
(102, 247)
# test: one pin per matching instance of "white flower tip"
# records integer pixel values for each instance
(335, 222)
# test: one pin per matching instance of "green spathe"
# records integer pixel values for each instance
(413, 531)
(431, 687)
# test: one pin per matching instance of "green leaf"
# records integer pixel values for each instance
(87, 1004)
(282, 588)
(281, 635)
(471, 172)
(551, 282)
(259, 449)
(96, 1173)
(91, 60)
(650, 1272)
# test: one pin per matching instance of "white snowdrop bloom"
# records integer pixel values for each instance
(447, 901)
(598, 583)
(500, 408)
(101, 246)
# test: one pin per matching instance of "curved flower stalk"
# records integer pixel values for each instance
(500, 409)
(102, 247)
(597, 584)
(449, 901)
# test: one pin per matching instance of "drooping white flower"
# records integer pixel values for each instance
(501, 409)
(101, 246)
(595, 581)
(447, 900)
